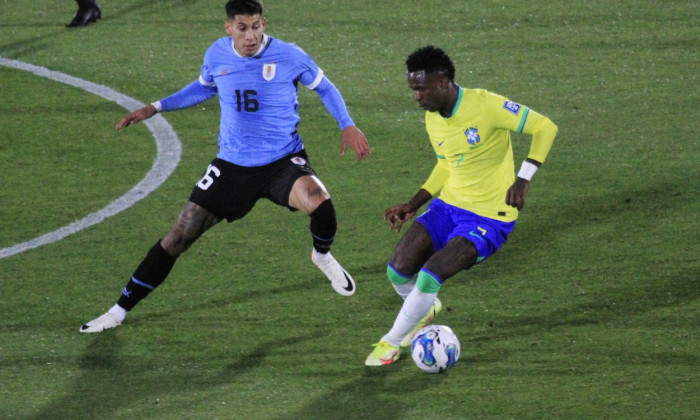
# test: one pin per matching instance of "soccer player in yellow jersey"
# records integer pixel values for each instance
(477, 195)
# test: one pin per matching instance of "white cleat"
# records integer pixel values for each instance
(104, 322)
(341, 281)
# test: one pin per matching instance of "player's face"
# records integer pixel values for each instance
(429, 90)
(247, 33)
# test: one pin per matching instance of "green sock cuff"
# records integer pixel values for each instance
(395, 277)
(428, 282)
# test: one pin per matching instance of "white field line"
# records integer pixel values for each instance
(167, 158)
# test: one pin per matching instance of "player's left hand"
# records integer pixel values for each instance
(353, 137)
(515, 196)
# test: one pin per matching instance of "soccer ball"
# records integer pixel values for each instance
(435, 348)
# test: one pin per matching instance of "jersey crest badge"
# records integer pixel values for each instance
(473, 137)
(268, 71)
(298, 161)
(512, 107)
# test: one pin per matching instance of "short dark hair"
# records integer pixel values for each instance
(430, 59)
(243, 7)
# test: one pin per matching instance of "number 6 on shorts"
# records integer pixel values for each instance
(207, 179)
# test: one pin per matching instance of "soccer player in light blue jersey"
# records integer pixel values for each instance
(260, 152)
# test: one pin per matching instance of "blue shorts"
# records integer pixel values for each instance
(444, 222)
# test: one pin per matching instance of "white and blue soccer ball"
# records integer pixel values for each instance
(435, 348)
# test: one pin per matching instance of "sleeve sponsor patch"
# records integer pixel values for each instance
(512, 107)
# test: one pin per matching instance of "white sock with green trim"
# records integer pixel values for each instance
(414, 308)
(405, 289)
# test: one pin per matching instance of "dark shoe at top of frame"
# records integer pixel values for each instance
(85, 17)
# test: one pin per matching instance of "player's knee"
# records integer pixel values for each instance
(396, 277)
(428, 282)
(403, 263)
(174, 243)
(179, 239)
(308, 194)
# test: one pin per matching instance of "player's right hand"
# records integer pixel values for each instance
(397, 215)
(353, 137)
(137, 116)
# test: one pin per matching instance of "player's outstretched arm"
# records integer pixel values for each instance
(353, 137)
(190, 95)
(137, 116)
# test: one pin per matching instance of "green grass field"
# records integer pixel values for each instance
(590, 311)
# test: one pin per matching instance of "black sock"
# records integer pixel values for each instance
(150, 274)
(323, 226)
(85, 4)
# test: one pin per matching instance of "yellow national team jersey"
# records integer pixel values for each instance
(474, 154)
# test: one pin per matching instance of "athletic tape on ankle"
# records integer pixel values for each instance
(428, 282)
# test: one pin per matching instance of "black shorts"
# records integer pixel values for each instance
(230, 191)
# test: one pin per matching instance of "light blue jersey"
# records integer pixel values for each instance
(258, 97)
